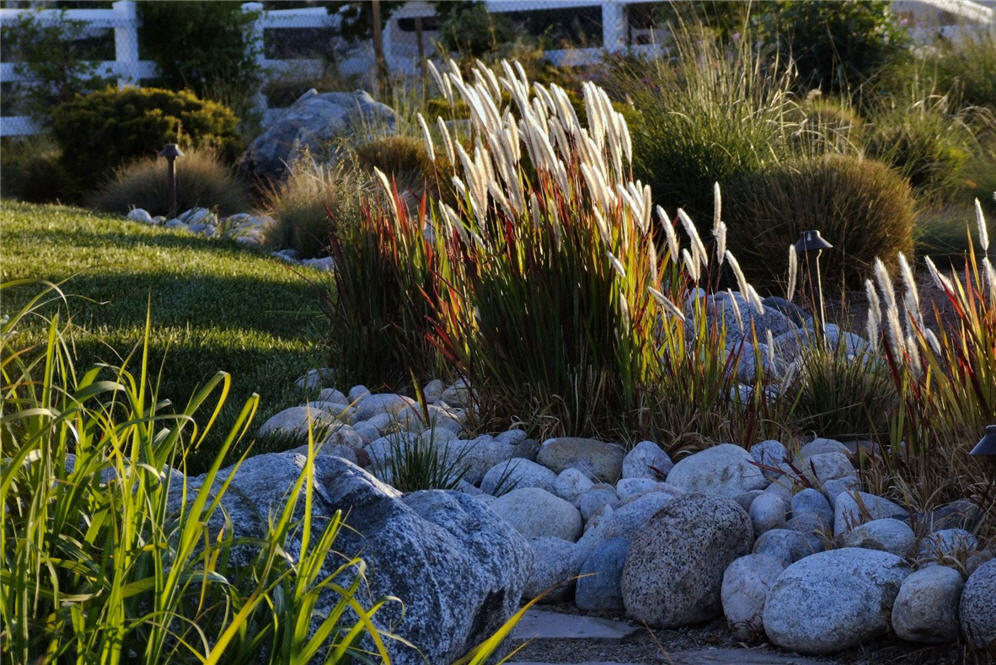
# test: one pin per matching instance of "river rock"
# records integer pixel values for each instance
(598, 459)
(723, 470)
(646, 460)
(977, 608)
(947, 542)
(787, 545)
(767, 512)
(926, 609)
(833, 600)
(570, 484)
(536, 513)
(675, 566)
(555, 565)
(599, 589)
(887, 534)
(517, 472)
(854, 508)
(746, 583)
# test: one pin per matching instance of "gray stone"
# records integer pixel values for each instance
(833, 600)
(767, 512)
(675, 566)
(294, 422)
(458, 570)
(433, 391)
(541, 624)
(628, 488)
(833, 488)
(977, 608)
(887, 534)
(599, 588)
(595, 499)
(527, 449)
(311, 124)
(854, 508)
(626, 520)
(357, 392)
(821, 446)
(598, 459)
(343, 435)
(514, 473)
(947, 542)
(812, 502)
(720, 310)
(512, 436)
(535, 513)
(787, 545)
(315, 379)
(976, 559)
(769, 453)
(479, 455)
(813, 529)
(926, 609)
(746, 583)
(570, 484)
(724, 470)
(828, 466)
(371, 405)
(330, 394)
(140, 215)
(555, 565)
(458, 394)
(646, 460)
(959, 514)
(747, 498)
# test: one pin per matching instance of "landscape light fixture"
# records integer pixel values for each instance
(986, 447)
(171, 152)
(808, 242)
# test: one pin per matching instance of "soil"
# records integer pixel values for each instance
(678, 647)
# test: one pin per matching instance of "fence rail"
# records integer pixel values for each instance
(400, 46)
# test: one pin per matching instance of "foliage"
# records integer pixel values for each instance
(110, 555)
(217, 304)
(31, 169)
(860, 206)
(311, 203)
(54, 56)
(965, 66)
(707, 114)
(202, 180)
(403, 159)
(205, 47)
(472, 31)
(723, 19)
(415, 463)
(103, 130)
(835, 45)
(944, 366)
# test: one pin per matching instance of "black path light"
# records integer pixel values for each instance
(986, 447)
(171, 152)
(808, 242)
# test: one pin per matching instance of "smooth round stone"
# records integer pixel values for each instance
(926, 609)
(536, 513)
(599, 587)
(515, 473)
(555, 565)
(598, 459)
(812, 502)
(628, 488)
(820, 446)
(947, 542)
(597, 498)
(746, 584)
(723, 470)
(854, 508)
(887, 534)
(767, 512)
(570, 484)
(769, 453)
(786, 545)
(646, 460)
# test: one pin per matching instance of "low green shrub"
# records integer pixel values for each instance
(103, 130)
(861, 207)
(32, 170)
(311, 203)
(201, 180)
(402, 158)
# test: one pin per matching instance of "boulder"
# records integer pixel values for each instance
(745, 588)
(675, 566)
(599, 589)
(312, 124)
(823, 467)
(977, 609)
(629, 488)
(854, 508)
(812, 503)
(555, 565)
(886, 534)
(597, 498)
(769, 453)
(724, 470)
(598, 459)
(787, 545)
(646, 460)
(293, 423)
(947, 542)
(479, 455)
(821, 446)
(515, 473)
(926, 609)
(835, 487)
(767, 512)
(570, 484)
(458, 569)
(833, 600)
(624, 521)
(536, 513)
(959, 514)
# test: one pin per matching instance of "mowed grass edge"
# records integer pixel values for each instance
(215, 305)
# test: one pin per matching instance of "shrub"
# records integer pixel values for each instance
(861, 207)
(705, 115)
(32, 170)
(834, 45)
(101, 131)
(201, 180)
(403, 159)
(311, 203)
(966, 66)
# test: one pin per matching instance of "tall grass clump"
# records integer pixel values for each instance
(966, 65)
(944, 367)
(312, 202)
(709, 111)
(202, 179)
(110, 555)
(861, 207)
(548, 290)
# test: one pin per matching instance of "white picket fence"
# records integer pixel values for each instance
(400, 46)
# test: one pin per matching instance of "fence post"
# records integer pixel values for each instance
(613, 26)
(126, 39)
(257, 46)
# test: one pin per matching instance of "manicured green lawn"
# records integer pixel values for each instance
(215, 305)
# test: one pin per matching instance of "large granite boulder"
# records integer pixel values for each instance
(674, 569)
(833, 600)
(313, 123)
(458, 569)
(977, 608)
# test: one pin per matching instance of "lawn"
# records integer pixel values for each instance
(215, 305)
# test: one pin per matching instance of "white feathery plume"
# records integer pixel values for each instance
(443, 83)
(652, 255)
(885, 284)
(387, 188)
(444, 130)
(666, 304)
(754, 298)
(691, 265)
(894, 329)
(616, 264)
(793, 273)
(500, 197)
(648, 206)
(603, 228)
(624, 310)
(739, 274)
(567, 112)
(697, 247)
(429, 148)
(719, 232)
(737, 314)
(913, 352)
(990, 276)
(770, 340)
(542, 93)
(718, 227)
(935, 345)
(911, 298)
(980, 221)
(873, 325)
(672, 237)
(940, 280)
